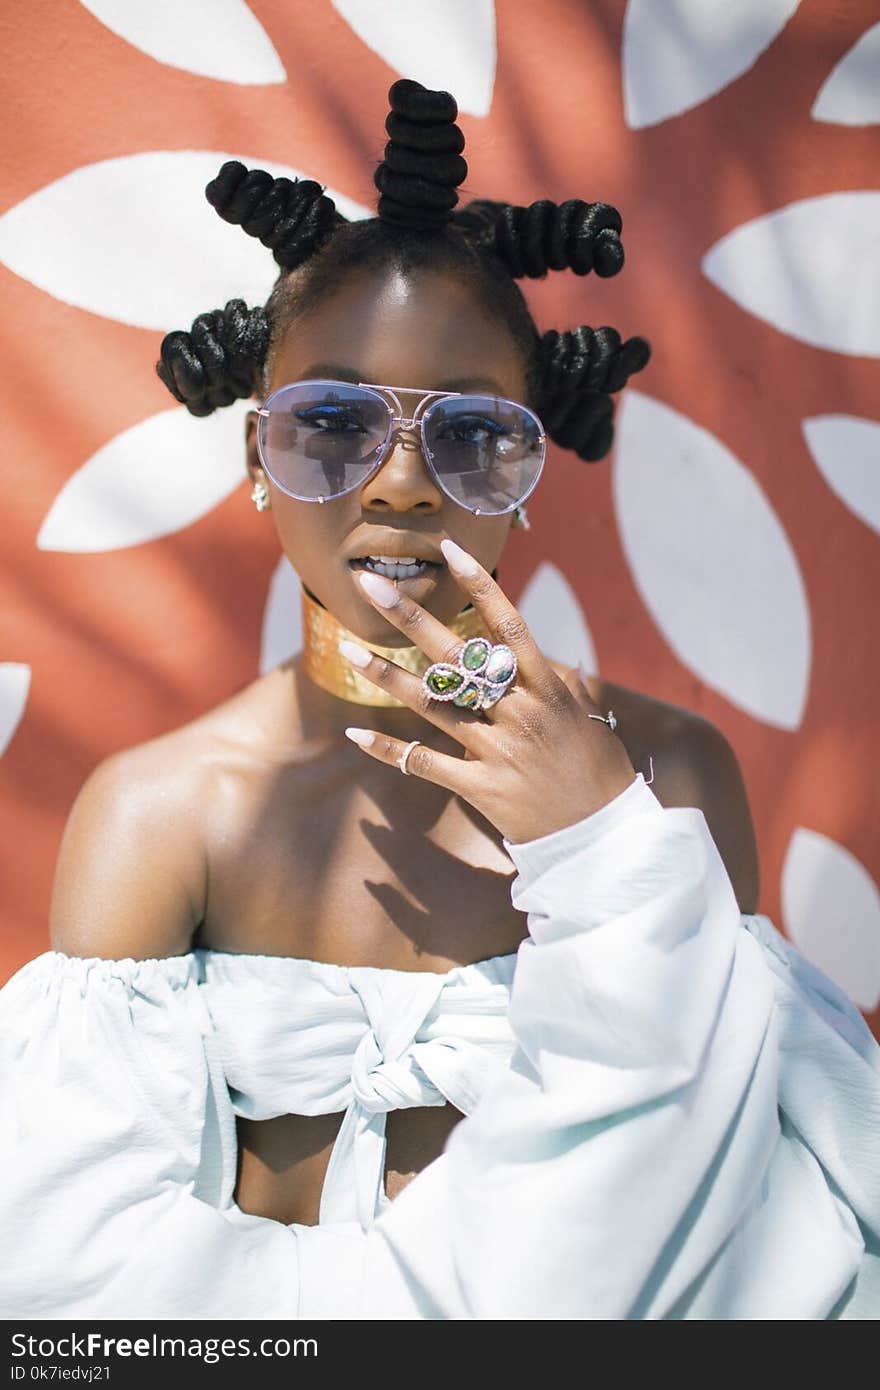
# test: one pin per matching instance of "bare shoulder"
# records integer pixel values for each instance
(130, 873)
(694, 764)
(131, 877)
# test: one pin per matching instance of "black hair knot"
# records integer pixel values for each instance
(214, 363)
(579, 370)
(292, 217)
(574, 235)
(419, 176)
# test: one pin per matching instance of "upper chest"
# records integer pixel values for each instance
(306, 858)
(310, 862)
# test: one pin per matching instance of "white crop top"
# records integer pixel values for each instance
(301, 1037)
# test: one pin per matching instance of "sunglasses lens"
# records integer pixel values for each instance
(487, 451)
(320, 439)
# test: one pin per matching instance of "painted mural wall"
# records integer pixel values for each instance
(723, 557)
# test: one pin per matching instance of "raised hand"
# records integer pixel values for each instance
(535, 760)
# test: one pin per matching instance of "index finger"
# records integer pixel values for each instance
(502, 620)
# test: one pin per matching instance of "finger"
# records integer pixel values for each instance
(577, 681)
(501, 619)
(423, 629)
(454, 774)
(461, 724)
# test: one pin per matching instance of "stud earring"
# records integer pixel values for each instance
(520, 519)
(260, 497)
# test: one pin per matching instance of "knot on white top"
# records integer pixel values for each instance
(381, 1083)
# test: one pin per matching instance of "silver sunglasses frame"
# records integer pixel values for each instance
(397, 423)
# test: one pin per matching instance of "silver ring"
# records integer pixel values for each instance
(481, 674)
(401, 761)
(610, 721)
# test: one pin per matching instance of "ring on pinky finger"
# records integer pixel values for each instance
(452, 773)
(365, 738)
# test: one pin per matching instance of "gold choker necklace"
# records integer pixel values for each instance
(327, 667)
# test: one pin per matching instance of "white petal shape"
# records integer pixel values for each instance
(15, 682)
(555, 618)
(712, 561)
(831, 911)
(846, 450)
(850, 95)
(135, 239)
(812, 269)
(447, 45)
(212, 38)
(282, 618)
(156, 477)
(676, 53)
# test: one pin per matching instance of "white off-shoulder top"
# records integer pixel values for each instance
(669, 1114)
(299, 1037)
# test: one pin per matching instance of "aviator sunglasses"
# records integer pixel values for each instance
(320, 439)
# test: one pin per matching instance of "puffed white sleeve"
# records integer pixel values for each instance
(118, 1152)
(690, 1125)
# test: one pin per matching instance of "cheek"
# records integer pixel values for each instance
(484, 538)
(309, 532)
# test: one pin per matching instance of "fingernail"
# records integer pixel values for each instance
(362, 737)
(358, 656)
(381, 589)
(459, 560)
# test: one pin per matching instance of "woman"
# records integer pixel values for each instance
(282, 974)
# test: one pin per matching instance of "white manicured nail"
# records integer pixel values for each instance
(362, 737)
(358, 656)
(380, 589)
(459, 560)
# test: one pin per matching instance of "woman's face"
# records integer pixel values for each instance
(423, 331)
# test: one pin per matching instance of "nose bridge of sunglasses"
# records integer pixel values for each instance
(404, 435)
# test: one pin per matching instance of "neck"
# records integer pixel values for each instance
(324, 664)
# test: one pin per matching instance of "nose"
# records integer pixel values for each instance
(404, 482)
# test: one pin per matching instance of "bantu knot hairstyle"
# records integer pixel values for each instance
(213, 364)
(423, 167)
(571, 376)
(581, 367)
(292, 217)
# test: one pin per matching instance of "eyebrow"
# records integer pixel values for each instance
(336, 371)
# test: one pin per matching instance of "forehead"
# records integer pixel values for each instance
(425, 330)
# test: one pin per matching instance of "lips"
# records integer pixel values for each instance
(398, 547)
(360, 560)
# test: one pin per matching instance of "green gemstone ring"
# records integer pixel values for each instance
(483, 673)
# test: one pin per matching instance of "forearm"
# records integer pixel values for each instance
(646, 1074)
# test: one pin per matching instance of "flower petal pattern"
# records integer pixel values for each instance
(831, 911)
(676, 53)
(118, 114)
(103, 238)
(811, 269)
(211, 38)
(15, 682)
(555, 617)
(444, 44)
(154, 478)
(712, 561)
(846, 450)
(850, 94)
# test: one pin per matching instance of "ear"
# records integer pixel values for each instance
(252, 458)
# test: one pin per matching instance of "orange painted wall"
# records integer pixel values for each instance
(106, 646)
